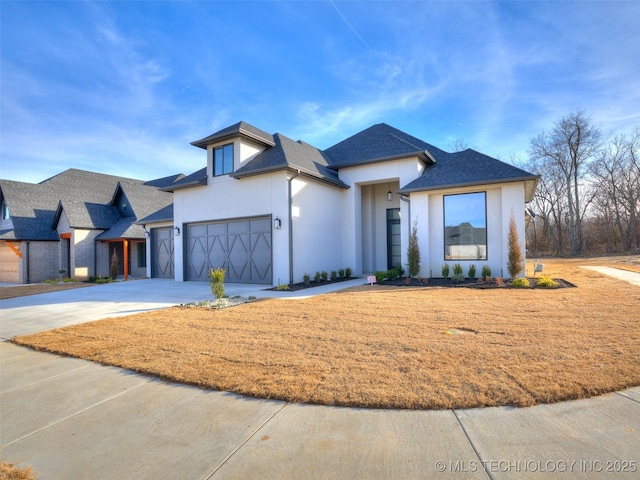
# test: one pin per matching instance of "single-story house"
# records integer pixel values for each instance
(71, 225)
(269, 209)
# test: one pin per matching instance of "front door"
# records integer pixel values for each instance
(394, 255)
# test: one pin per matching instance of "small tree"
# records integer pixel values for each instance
(515, 253)
(413, 252)
(113, 268)
(216, 277)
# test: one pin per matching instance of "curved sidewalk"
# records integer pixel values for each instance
(69, 418)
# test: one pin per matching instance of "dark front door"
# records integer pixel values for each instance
(394, 254)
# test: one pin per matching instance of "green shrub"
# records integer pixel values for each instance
(445, 270)
(69, 280)
(472, 272)
(341, 273)
(392, 274)
(347, 272)
(458, 277)
(251, 298)
(380, 276)
(282, 286)
(306, 278)
(334, 274)
(50, 282)
(324, 275)
(486, 272)
(413, 252)
(216, 277)
(316, 277)
(520, 282)
(457, 269)
(547, 281)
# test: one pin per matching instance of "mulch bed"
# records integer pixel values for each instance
(434, 282)
(468, 283)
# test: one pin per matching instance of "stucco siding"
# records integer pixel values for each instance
(226, 198)
(317, 229)
(427, 208)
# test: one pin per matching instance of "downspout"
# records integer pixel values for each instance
(405, 198)
(290, 191)
(27, 260)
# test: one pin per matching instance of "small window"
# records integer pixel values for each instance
(5, 211)
(223, 160)
(142, 255)
(465, 226)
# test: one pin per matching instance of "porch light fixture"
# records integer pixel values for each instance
(277, 224)
(389, 194)
(177, 231)
(146, 233)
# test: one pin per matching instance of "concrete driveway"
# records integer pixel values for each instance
(68, 418)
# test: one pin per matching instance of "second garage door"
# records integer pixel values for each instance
(241, 247)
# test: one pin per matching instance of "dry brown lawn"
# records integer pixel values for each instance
(25, 290)
(9, 472)
(387, 347)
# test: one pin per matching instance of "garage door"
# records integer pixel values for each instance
(162, 245)
(9, 262)
(241, 247)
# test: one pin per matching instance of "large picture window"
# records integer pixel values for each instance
(465, 226)
(223, 160)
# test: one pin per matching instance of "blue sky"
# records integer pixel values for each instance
(123, 87)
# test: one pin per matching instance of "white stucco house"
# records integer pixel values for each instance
(269, 209)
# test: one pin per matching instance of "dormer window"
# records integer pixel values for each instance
(223, 160)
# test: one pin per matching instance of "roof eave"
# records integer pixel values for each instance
(405, 191)
(423, 155)
(291, 168)
(195, 183)
(204, 142)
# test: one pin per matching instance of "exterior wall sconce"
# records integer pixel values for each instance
(277, 224)
(177, 231)
(389, 194)
(147, 234)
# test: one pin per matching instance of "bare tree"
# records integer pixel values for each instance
(565, 154)
(458, 145)
(616, 177)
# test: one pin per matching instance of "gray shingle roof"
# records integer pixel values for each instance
(466, 168)
(378, 143)
(239, 129)
(85, 197)
(163, 215)
(288, 154)
(195, 179)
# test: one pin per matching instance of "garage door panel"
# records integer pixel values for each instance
(241, 247)
(162, 241)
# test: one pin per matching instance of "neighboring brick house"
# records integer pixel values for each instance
(270, 209)
(75, 221)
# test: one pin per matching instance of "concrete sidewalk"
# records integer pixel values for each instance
(626, 275)
(68, 418)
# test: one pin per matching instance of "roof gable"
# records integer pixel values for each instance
(466, 168)
(292, 155)
(379, 143)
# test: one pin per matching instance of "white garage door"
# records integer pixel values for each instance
(241, 247)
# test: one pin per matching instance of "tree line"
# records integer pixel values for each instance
(588, 197)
